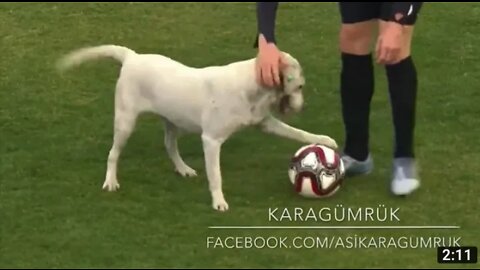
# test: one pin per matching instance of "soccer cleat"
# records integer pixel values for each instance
(354, 167)
(405, 178)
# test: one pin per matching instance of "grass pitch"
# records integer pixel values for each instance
(56, 131)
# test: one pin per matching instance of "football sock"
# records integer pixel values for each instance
(356, 87)
(402, 81)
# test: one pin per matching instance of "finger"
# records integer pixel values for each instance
(378, 48)
(276, 73)
(384, 53)
(267, 76)
(258, 73)
(283, 62)
(387, 58)
(377, 52)
(393, 56)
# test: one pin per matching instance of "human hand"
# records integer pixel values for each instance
(389, 44)
(270, 61)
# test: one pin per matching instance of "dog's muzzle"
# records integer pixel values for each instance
(286, 105)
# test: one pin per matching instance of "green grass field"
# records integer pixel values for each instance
(56, 131)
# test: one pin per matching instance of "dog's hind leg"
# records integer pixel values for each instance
(123, 126)
(171, 145)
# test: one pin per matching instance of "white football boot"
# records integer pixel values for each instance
(405, 178)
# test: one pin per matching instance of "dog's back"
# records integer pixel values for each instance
(159, 84)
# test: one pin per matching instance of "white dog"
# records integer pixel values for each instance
(212, 101)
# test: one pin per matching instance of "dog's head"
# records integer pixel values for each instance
(290, 92)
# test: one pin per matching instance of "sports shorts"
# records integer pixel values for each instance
(354, 12)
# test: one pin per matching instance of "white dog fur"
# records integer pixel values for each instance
(213, 101)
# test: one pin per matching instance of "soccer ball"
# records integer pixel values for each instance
(316, 171)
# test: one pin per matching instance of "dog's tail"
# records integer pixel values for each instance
(77, 57)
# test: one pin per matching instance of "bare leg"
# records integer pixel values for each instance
(356, 84)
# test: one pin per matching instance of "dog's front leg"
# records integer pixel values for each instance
(277, 127)
(211, 149)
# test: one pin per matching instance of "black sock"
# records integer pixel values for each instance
(356, 87)
(402, 80)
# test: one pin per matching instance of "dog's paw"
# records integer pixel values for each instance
(327, 141)
(220, 205)
(186, 172)
(111, 185)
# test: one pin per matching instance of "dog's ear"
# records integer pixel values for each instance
(281, 87)
(284, 76)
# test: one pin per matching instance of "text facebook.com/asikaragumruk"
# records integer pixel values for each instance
(331, 242)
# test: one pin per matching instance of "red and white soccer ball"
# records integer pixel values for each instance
(316, 171)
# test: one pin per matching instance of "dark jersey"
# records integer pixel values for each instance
(266, 15)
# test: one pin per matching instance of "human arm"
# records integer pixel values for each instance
(266, 18)
(393, 43)
(269, 58)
